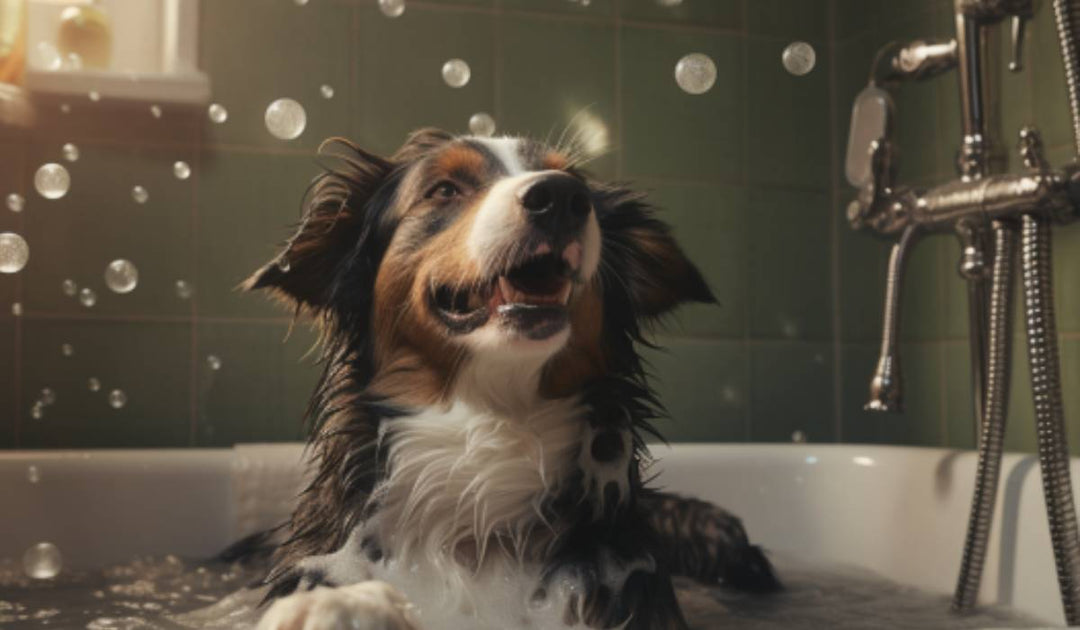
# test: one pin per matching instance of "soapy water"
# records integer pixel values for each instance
(173, 594)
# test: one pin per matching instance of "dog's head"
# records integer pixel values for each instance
(477, 251)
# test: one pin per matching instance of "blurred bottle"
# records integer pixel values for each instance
(85, 34)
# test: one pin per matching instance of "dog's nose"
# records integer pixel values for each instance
(556, 203)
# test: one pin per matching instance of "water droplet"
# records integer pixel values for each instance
(16, 309)
(695, 73)
(94, 95)
(37, 412)
(184, 290)
(65, 108)
(16, 202)
(799, 58)
(217, 113)
(283, 263)
(327, 91)
(481, 124)
(14, 252)
(67, 350)
(285, 119)
(42, 561)
(33, 475)
(73, 62)
(70, 151)
(117, 399)
(392, 8)
(47, 57)
(798, 436)
(121, 276)
(181, 170)
(48, 396)
(52, 181)
(155, 111)
(213, 362)
(139, 194)
(69, 287)
(93, 384)
(456, 73)
(87, 297)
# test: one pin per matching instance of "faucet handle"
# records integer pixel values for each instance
(1019, 26)
(1031, 149)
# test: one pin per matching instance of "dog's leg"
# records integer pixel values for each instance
(707, 543)
(370, 605)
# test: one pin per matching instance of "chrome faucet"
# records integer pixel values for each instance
(990, 211)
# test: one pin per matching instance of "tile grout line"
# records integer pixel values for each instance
(193, 368)
(834, 220)
(748, 359)
(22, 171)
(620, 134)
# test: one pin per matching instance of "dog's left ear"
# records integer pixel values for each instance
(640, 249)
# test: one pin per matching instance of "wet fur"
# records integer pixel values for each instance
(381, 368)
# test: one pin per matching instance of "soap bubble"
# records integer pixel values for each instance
(16, 309)
(48, 396)
(65, 108)
(481, 124)
(300, 3)
(14, 252)
(392, 8)
(87, 297)
(117, 398)
(69, 287)
(67, 350)
(139, 194)
(94, 95)
(217, 113)
(121, 276)
(16, 202)
(73, 62)
(93, 384)
(285, 119)
(799, 58)
(283, 263)
(184, 290)
(798, 437)
(456, 73)
(327, 91)
(70, 151)
(695, 73)
(37, 412)
(33, 475)
(42, 561)
(181, 170)
(155, 111)
(213, 362)
(47, 57)
(52, 181)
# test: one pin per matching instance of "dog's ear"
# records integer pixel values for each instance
(651, 267)
(335, 222)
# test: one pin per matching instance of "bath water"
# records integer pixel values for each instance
(170, 593)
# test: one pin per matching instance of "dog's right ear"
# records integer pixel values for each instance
(334, 226)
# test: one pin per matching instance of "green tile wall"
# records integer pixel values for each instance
(746, 174)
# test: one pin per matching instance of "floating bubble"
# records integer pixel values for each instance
(47, 57)
(87, 297)
(33, 475)
(392, 8)
(481, 124)
(327, 91)
(695, 73)
(283, 263)
(181, 170)
(73, 62)
(70, 151)
(300, 3)
(94, 95)
(798, 437)
(42, 561)
(799, 58)
(184, 290)
(14, 252)
(456, 73)
(217, 113)
(69, 287)
(16, 202)
(48, 396)
(213, 362)
(117, 399)
(669, 3)
(285, 119)
(155, 111)
(52, 181)
(16, 309)
(93, 384)
(37, 412)
(65, 108)
(67, 350)
(139, 194)
(121, 276)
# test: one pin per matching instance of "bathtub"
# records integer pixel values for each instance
(900, 512)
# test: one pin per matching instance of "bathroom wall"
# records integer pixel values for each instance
(744, 173)
(935, 352)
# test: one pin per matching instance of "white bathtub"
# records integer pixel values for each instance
(900, 512)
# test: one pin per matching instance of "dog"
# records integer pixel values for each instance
(479, 431)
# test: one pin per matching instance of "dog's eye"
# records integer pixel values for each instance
(443, 190)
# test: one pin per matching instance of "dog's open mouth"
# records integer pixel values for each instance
(531, 297)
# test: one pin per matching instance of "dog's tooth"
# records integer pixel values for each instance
(541, 249)
(564, 295)
(572, 255)
(506, 289)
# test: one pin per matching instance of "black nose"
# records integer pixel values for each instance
(557, 203)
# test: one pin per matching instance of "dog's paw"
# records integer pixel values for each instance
(369, 605)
